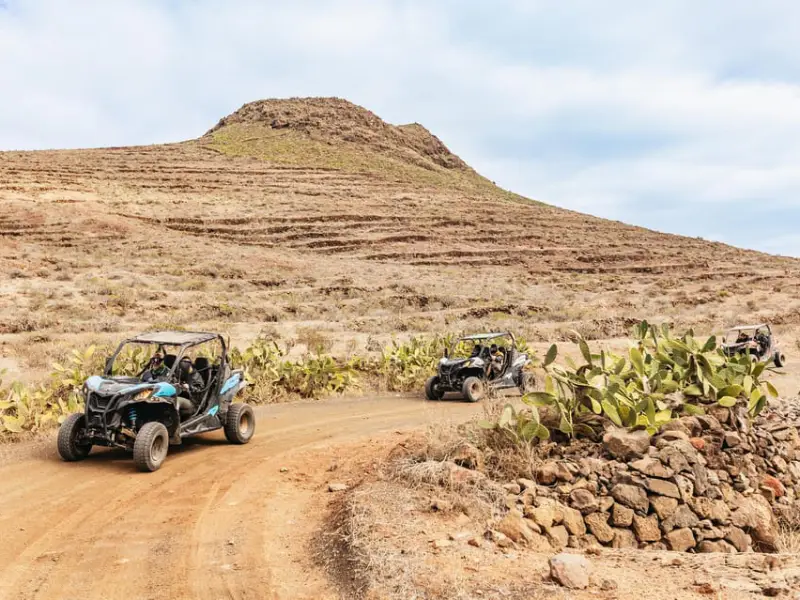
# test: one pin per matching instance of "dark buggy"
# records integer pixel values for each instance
(173, 397)
(479, 363)
(756, 340)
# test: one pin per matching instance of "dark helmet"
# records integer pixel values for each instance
(494, 348)
(185, 367)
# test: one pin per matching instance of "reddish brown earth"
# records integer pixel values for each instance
(216, 521)
(290, 215)
(245, 522)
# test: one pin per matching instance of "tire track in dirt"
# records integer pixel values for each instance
(217, 521)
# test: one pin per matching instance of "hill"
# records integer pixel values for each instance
(313, 217)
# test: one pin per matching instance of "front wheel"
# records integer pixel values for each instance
(150, 446)
(779, 359)
(527, 383)
(69, 447)
(240, 423)
(473, 389)
(433, 390)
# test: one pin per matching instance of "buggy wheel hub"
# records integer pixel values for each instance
(158, 448)
(245, 423)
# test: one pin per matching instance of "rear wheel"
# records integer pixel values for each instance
(433, 390)
(474, 389)
(150, 446)
(527, 383)
(779, 359)
(240, 423)
(70, 432)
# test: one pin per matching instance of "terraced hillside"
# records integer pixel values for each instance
(314, 214)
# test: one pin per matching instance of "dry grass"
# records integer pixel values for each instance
(378, 559)
(789, 532)
(314, 340)
(326, 218)
(381, 548)
(472, 493)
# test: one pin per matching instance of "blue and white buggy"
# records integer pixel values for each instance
(146, 413)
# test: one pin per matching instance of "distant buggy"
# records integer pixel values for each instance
(491, 361)
(173, 397)
(756, 340)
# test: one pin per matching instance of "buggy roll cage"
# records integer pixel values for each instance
(183, 340)
(478, 337)
(746, 328)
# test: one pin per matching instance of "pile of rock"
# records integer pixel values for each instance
(705, 484)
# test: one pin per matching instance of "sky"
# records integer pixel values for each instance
(681, 116)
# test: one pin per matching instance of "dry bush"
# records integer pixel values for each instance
(193, 285)
(270, 315)
(789, 532)
(466, 491)
(122, 301)
(26, 324)
(375, 559)
(374, 548)
(314, 340)
(506, 458)
(40, 351)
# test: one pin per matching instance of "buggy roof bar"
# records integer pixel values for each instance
(488, 336)
(746, 327)
(174, 338)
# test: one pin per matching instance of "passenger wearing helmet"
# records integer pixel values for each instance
(190, 384)
(495, 362)
(156, 370)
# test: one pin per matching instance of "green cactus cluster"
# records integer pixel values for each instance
(405, 365)
(661, 377)
(39, 407)
(271, 374)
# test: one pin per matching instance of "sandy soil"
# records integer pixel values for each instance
(220, 521)
(216, 521)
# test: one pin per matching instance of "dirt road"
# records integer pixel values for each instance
(216, 522)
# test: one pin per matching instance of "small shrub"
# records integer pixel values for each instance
(789, 531)
(270, 315)
(314, 340)
(193, 285)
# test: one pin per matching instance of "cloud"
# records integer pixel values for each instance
(676, 115)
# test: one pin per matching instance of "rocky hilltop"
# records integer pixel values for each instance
(334, 120)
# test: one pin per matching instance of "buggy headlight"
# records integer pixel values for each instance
(143, 395)
(468, 363)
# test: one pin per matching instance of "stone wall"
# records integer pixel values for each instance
(709, 483)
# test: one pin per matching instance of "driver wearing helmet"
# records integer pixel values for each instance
(156, 370)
